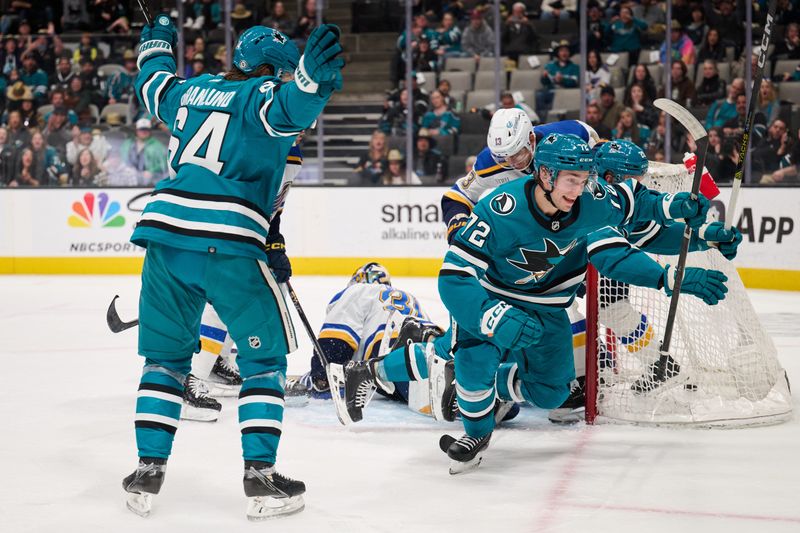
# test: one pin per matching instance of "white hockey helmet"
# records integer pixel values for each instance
(509, 138)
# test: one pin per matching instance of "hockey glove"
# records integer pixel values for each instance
(510, 328)
(320, 67)
(681, 206)
(727, 240)
(455, 225)
(277, 258)
(706, 284)
(158, 39)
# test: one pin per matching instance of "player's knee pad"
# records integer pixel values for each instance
(631, 327)
(546, 396)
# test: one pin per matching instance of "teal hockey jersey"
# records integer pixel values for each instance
(511, 251)
(227, 154)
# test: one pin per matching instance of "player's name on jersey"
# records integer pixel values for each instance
(198, 96)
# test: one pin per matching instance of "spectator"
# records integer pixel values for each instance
(518, 36)
(610, 108)
(788, 171)
(97, 144)
(683, 90)
(682, 48)
(419, 30)
(207, 15)
(24, 171)
(469, 164)
(478, 39)
(87, 49)
(306, 23)
(697, 29)
(241, 18)
(220, 62)
(766, 157)
(712, 47)
(57, 130)
(118, 173)
(641, 74)
(653, 14)
(393, 121)
(198, 66)
(626, 34)
(79, 99)
(34, 77)
(728, 160)
(91, 82)
(63, 74)
(509, 101)
(786, 12)
(48, 168)
(86, 172)
(145, 154)
(558, 9)
(18, 135)
(594, 118)
(629, 129)
(561, 72)
(636, 99)
(110, 16)
(734, 127)
(714, 154)
(279, 19)
(30, 117)
(57, 99)
(728, 22)
(10, 57)
(46, 49)
(788, 47)
(597, 75)
(428, 161)
(8, 155)
(449, 37)
(76, 16)
(440, 120)
(424, 59)
(596, 27)
(396, 171)
(711, 88)
(724, 109)
(120, 86)
(450, 101)
(373, 164)
(768, 105)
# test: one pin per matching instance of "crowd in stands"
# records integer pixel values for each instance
(453, 49)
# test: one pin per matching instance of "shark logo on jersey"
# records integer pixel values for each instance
(503, 204)
(539, 262)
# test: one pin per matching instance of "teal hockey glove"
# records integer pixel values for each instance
(708, 285)
(277, 259)
(682, 206)
(320, 67)
(727, 240)
(162, 29)
(510, 328)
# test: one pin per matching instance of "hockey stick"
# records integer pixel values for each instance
(748, 123)
(115, 323)
(335, 372)
(148, 18)
(666, 367)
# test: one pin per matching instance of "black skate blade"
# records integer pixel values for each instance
(445, 441)
(566, 416)
(335, 374)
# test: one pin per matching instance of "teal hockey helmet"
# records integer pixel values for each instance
(621, 158)
(558, 152)
(371, 273)
(260, 45)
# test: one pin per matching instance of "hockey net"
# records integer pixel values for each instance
(729, 370)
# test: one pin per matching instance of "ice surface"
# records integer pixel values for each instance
(67, 405)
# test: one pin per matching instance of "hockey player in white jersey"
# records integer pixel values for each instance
(508, 155)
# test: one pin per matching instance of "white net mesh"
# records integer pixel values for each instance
(729, 371)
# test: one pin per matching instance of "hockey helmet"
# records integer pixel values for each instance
(558, 152)
(371, 273)
(621, 158)
(509, 138)
(260, 45)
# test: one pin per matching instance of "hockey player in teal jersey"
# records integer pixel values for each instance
(517, 264)
(205, 230)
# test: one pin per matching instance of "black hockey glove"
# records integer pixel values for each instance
(277, 259)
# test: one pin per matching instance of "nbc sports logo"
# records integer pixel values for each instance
(96, 211)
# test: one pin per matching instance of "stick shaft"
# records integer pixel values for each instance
(148, 18)
(306, 324)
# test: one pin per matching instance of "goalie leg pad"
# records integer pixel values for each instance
(442, 387)
(630, 326)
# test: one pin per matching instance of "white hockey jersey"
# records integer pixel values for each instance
(359, 314)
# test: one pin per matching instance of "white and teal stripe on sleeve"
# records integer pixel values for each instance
(154, 89)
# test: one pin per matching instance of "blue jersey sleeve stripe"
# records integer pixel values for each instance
(337, 296)
(211, 332)
(342, 327)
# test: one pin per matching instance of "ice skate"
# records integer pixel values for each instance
(224, 379)
(197, 404)
(663, 373)
(359, 381)
(270, 494)
(442, 381)
(574, 407)
(143, 483)
(298, 390)
(465, 453)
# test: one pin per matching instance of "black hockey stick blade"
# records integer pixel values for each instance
(115, 323)
(682, 115)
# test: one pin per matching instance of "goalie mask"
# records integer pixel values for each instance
(260, 45)
(619, 159)
(371, 273)
(509, 139)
